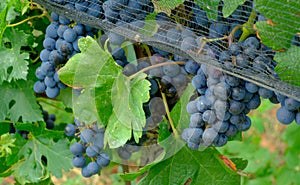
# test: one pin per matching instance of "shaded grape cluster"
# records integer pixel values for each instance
(49, 119)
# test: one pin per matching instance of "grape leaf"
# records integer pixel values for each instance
(6, 143)
(128, 97)
(18, 101)
(199, 167)
(13, 64)
(230, 6)
(285, 22)
(288, 66)
(94, 70)
(210, 7)
(30, 154)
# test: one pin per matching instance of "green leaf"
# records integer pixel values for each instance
(230, 6)
(8, 12)
(128, 97)
(288, 66)
(4, 127)
(285, 18)
(13, 63)
(18, 101)
(188, 165)
(181, 119)
(210, 7)
(240, 163)
(6, 143)
(130, 52)
(180, 116)
(291, 136)
(271, 35)
(57, 154)
(163, 131)
(94, 70)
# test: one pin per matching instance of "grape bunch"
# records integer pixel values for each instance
(49, 119)
(88, 152)
(60, 44)
(220, 111)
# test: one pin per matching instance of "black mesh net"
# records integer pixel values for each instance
(255, 41)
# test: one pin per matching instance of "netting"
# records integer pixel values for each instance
(207, 32)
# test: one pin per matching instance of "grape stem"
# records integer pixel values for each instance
(163, 95)
(205, 40)
(154, 66)
(125, 170)
(146, 47)
(234, 30)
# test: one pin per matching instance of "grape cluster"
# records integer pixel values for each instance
(49, 119)
(88, 152)
(60, 44)
(224, 101)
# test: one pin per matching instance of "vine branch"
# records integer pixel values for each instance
(155, 66)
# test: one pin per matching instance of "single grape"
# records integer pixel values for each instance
(76, 149)
(85, 172)
(209, 116)
(49, 43)
(98, 140)
(78, 161)
(39, 87)
(221, 141)
(209, 136)
(191, 66)
(92, 151)
(221, 126)
(51, 30)
(116, 39)
(87, 135)
(199, 81)
(265, 93)
(49, 81)
(232, 130)
(238, 93)
(52, 92)
(103, 160)
(196, 120)
(192, 107)
(285, 116)
(70, 35)
(123, 153)
(236, 107)
(171, 70)
(291, 104)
